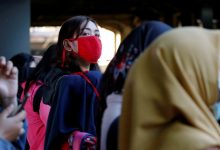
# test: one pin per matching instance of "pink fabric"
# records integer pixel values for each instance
(78, 138)
(36, 122)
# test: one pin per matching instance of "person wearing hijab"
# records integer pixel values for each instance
(169, 92)
(113, 78)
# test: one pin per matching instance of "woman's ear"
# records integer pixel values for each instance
(67, 45)
(70, 45)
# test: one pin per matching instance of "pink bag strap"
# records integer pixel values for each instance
(77, 136)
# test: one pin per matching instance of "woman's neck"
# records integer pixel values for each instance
(84, 66)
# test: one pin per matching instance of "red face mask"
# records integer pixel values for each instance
(89, 48)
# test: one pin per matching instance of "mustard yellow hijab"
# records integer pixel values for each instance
(169, 92)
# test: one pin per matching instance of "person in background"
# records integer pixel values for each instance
(25, 63)
(11, 127)
(115, 75)
(169, 92)
(73, 94)
(37, 111)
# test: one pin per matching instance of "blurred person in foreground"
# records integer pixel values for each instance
(169, 93)
(113, 79)
(11, 127)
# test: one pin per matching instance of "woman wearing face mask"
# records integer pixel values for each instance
(72, 94)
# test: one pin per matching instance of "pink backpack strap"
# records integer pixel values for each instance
(78, 136)
(76, 140)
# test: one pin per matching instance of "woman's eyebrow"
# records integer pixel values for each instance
(86, 29)
(90, 29)
(96, 30)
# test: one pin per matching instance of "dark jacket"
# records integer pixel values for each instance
(74, 107)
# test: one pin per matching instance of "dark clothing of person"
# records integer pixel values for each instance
(74, 107)
(112, 136)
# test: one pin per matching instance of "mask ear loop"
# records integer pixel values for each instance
(64, 52)
(63, 57)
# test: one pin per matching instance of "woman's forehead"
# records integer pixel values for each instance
(90, 25)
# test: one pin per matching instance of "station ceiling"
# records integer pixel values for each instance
(54, 12)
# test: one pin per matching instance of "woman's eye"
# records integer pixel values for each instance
(85, 34)
(98, 35)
